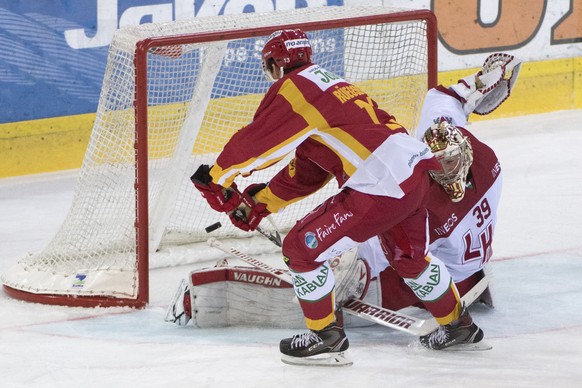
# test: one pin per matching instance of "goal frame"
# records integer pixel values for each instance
(140, 107)
(141, 102)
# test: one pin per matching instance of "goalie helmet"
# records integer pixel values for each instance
(287, 49)
(454, 153)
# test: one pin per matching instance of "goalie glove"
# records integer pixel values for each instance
(219, 198)
(250, 213)
(486, 90)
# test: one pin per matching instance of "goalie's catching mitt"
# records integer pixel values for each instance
(485, 91)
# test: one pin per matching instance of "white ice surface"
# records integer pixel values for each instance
(535, 328)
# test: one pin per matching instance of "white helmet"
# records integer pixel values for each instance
(454, 152)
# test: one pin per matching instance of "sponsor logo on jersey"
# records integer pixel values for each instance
(338, 219)
(447, 226)
(417, 155)
(311, 240)
(322, 78)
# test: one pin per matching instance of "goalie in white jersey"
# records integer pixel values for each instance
(464, 194)
(462, 210)
(462, 207)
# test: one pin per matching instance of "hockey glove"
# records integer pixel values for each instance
(250, 213)
(486, 90)
(219, 198)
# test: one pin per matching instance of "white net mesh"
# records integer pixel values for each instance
(198, 95)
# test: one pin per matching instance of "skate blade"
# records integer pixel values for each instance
(326, 359)
(478, 346)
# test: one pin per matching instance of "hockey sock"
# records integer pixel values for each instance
(315, 292)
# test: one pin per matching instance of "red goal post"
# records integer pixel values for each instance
(172, 95)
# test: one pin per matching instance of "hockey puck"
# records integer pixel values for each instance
(213, 227)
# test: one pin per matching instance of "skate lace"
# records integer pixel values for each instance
(304, 340)
(438, 337)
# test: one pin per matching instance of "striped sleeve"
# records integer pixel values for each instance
(299, 179)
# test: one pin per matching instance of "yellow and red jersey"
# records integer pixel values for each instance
(335, 129)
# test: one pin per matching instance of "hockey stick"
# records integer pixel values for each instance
(357, 307)
(274, 237)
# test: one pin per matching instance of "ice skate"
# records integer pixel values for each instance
(325, 347)
(461, 334)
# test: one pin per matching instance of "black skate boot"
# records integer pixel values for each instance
(323, 347)
(461, 334)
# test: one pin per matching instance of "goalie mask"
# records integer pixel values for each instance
(286, 49)
(454, 153)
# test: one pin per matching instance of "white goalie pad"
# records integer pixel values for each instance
(247, 296)
(485, 91)
(242, 296)
(178, 311)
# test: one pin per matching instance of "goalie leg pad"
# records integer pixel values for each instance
(179, 310)
(352, 276)
(242, 296)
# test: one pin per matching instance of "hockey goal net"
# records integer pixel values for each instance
(172, 95)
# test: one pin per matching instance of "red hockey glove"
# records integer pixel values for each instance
(219, 198)
(250, 213)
